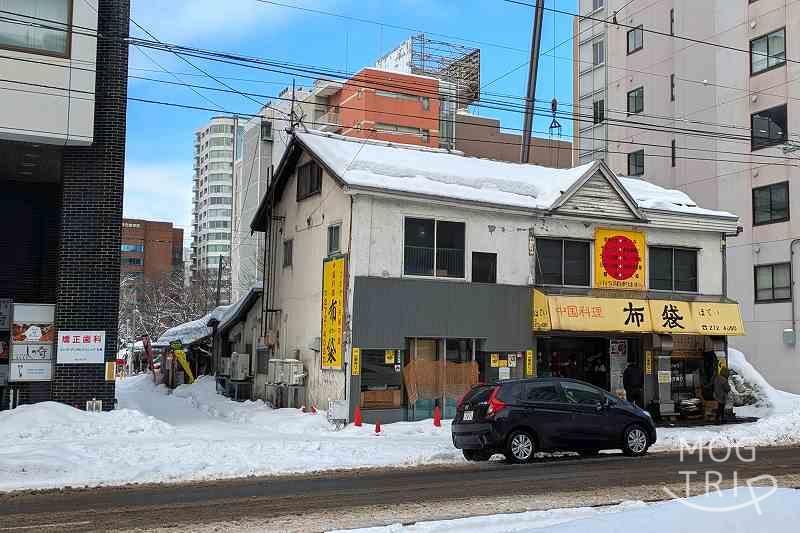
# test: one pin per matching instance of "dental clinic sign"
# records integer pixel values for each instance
(81, 347)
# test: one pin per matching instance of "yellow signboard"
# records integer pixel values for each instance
(541, 314)
(619, 259)
(355, 361)
(717, 319)
(502, 363)
(530, 369)
(388, 357)
(673, 317)
(494, 360)
(333, 279)
(583, 313)
(580, 313)
(648, 363)
(111, 367)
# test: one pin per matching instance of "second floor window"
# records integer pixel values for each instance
(334, 238)
(771, 204)
(636, 100)
(562, 262)
(434, 248)
(773, 283)
(635, 39)
(309, 180)
(484, 267)
(768, 127)
(673, 269)
(768, 51)
(25, 29)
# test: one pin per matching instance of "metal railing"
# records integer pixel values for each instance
(419, 261)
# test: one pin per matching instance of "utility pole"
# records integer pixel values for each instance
(219, 276)
(531, 92)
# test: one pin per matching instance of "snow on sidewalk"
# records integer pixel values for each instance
(724, 512)
(194, 434)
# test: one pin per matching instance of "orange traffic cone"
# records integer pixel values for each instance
(437, 417)
(357, 417)
(377, 426)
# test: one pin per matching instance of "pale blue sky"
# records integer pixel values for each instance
(159, 146)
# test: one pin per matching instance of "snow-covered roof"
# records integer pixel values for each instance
(441, 173)
(191, 332)
(244, 304)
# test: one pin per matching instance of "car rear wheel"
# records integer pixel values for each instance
(476, 455)
(635, 441)
(520, 447)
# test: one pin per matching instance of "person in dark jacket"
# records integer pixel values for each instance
(633, 381)
(722, 389)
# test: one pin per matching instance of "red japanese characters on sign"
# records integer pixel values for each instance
(620, 257)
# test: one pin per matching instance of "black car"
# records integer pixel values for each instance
(520, 417)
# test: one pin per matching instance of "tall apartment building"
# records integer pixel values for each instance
(212, 198)
(150, 248)
(717, 123)
(62, 159)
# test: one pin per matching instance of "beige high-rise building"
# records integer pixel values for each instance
(716, 122)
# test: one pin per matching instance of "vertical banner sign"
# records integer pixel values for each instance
(530, 370)
(648, 363)
(355, 362)
(388, 357)
(494, 360)
(619, 259)
(333, 278)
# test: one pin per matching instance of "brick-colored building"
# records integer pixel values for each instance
(150, 248)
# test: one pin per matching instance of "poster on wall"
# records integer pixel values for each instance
(618, 355)
(619, 259)
(333, 281)
(32, 342)
(5, 347)
(81, 347)
(5, 314)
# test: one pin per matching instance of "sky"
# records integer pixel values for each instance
(158, 177)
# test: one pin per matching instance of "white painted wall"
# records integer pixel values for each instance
(299, 287)
(57, 105)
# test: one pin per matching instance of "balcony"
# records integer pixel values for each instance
(419, 261)
(325, 88)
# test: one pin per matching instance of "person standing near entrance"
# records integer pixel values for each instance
(722, 389)
(633, 381)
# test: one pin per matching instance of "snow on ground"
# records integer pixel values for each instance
(724, 512)
(193, 433)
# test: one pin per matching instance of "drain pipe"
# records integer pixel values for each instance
(791, 277)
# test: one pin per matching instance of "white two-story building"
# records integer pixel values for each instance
(401, 276)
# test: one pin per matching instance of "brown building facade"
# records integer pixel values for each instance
(150, 248)
(482, 137)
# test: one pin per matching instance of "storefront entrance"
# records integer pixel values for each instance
(600, 361)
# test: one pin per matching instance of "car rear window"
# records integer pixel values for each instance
(541, 392)
(510, 392)
(478, 394)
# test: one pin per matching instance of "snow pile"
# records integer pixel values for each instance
(193, 331)
(442, 173)
(651, 196)
(724, 512)
(779, 411)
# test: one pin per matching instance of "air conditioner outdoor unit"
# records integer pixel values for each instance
(240, 366)
(295, 396)
(293, 373)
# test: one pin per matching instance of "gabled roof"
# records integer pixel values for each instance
(601, 171)
(379, 166)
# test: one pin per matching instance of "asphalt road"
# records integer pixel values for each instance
(196, 503)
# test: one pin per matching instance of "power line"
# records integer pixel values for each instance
(358, 128)
(655, 32)
(406, 115)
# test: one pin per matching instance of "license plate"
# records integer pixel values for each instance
(467, 416)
